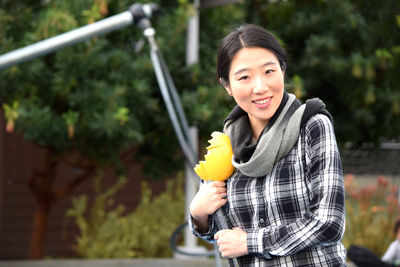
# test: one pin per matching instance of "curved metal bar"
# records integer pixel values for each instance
(66, 39)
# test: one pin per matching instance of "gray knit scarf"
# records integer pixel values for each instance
(276, 140)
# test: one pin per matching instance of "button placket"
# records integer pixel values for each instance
(261, 204)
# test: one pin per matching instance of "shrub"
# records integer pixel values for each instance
(145, 232)
(371, 212)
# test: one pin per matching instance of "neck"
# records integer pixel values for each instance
(257, 127)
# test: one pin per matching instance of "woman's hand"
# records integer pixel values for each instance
(232, 243)
(210, 197)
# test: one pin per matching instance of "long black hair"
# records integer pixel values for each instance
(248, 35)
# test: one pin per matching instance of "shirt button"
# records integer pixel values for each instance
(261, 220)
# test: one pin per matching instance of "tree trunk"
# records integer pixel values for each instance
(42, 187)
(39, 229)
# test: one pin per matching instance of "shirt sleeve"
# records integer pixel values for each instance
(208, 236)
(324, 220)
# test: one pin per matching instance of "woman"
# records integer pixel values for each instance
(286, 197)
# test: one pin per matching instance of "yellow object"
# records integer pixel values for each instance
(218, 160)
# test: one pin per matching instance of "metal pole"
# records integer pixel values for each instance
(134, 15)
(188, 146)
(66, 39)
(187, 150)
(177, 104)
(192, 41)
(191, 188)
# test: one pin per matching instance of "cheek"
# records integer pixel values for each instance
(279, 82)
(240, 93)
(241, 89)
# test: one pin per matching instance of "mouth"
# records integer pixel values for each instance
(262, 101)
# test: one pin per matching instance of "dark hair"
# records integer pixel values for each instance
(247, 35)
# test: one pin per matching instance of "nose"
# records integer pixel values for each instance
(260, 85)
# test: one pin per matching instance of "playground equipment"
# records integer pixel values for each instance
(138, 15)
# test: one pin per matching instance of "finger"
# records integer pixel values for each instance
(222, 195)
(216, 190)
(218, 184)
(221, 232)
(216, 236)
(215, 204)
(221, 202)
(217, 197)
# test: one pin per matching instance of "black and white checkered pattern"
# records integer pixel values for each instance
(295, 215)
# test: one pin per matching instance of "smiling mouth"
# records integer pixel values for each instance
(262, 101)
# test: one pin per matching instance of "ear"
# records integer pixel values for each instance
(225, 84)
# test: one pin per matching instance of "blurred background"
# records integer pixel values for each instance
(90, 166)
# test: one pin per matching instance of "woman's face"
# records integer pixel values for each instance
(256, 82)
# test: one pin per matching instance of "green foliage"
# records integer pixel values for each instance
(207, 100)
(110, 232)
(347, 53)
(98, 97)
(371, 212)
(11, 114)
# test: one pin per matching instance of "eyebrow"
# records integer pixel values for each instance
(246, 69)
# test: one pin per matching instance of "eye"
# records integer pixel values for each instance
(245, 77)
(269, 71)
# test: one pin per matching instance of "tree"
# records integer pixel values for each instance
(347, 53)
(92, 105)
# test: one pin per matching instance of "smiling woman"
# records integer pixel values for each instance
(285, 197)
(256, 83)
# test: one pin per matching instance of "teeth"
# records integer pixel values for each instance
(262, 101)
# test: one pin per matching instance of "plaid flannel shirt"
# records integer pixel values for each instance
(295, 215)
